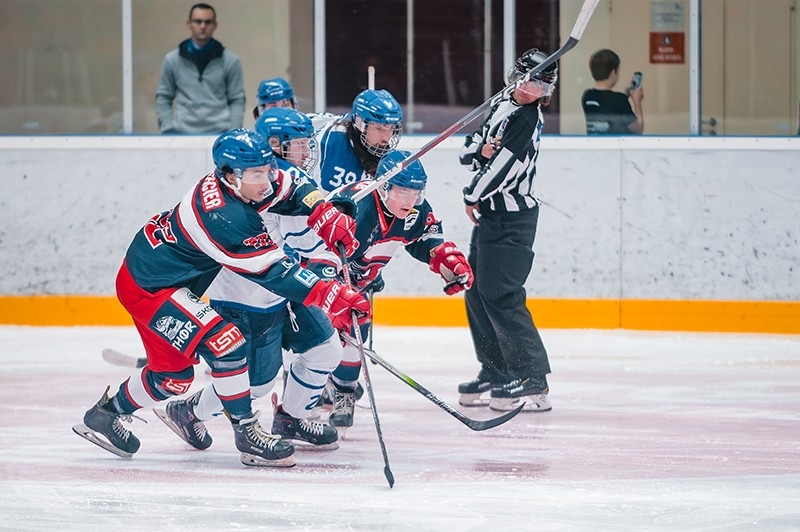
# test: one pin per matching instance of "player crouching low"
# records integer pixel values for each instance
(173, 258)
(395, 215)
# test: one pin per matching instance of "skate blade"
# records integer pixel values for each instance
(532, 403)
(342, 431)
(88, 434)
(302, 445)
(162, 415)
(473, 399)
(257, 461)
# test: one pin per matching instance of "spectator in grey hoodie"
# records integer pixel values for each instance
(202, 80)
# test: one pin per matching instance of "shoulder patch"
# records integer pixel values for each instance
(306, 277)
(411, 219)
(313, 198)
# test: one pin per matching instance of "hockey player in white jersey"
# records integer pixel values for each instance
(351, 145)
(269, 322)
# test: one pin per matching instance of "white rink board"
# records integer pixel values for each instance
(632, 217)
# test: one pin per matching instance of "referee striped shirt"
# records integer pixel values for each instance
(504, 182)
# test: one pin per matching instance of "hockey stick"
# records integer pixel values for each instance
(577, 31)
(360, 344)
(118, 358)
(474, 424)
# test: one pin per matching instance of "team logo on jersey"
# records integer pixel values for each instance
(225, 341)
(210, 193)
(178, 332)
(411, 219)
(158, 230)
(329, 272)
(258, 241)
(168, 326)
(191, 305)
(300, 179)
(176, 387)
(307, 277)
(313, 198)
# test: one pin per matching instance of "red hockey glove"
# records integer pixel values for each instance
(333, 226)
(338, 301)
(448, 261)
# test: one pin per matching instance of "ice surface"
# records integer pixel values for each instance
(649, 431)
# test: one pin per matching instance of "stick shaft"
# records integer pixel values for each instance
(577, 31)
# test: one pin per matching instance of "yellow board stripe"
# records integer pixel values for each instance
(656, 315)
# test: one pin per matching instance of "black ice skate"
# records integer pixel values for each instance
(306, 434)
(344, 402)
(326, 398)
(260, 448)
(470, 392)
(532, 392)
(180, 417)
(103, 427)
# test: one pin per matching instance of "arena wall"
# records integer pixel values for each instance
(659, 233)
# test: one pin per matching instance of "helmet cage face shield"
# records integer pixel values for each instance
(258, 174)
(405, 189)
(403, 194)
(544, 81)
(537, 88)
(378, 138)
(300, 151)
(257, 182)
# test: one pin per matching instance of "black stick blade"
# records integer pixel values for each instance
(474, 424)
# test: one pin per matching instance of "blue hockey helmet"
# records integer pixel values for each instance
(284, 123)
(377, 106)
(411, 177)
(275, 90)
(288, 125)
(241, 148)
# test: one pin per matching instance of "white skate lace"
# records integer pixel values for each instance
(344, 402)
(200, 429)
(257, 435)
(312, 427)
(121, 431)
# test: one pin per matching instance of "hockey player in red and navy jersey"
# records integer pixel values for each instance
(396, 215)
(268, 321)
(174, 258)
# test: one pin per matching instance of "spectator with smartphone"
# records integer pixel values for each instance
(609, 112)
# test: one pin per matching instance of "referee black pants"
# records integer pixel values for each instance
(507, 343)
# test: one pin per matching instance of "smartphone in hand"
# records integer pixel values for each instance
(636, 82)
